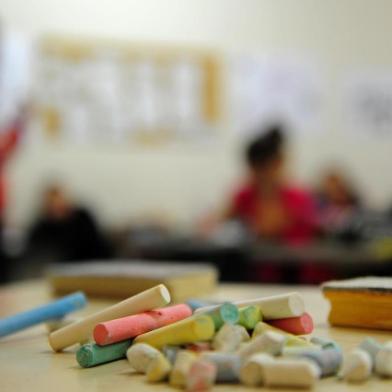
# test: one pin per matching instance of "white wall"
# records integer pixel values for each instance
(341, 35)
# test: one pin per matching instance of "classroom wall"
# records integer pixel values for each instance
(122, 182)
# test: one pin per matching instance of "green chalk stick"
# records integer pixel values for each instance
(92, 355)
(226, 313)
(250, 316)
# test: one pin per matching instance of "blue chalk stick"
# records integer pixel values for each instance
(54, 310)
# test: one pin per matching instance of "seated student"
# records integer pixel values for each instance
(267, 203)
(337, 200)
(65, 232)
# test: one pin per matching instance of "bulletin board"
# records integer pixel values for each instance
(101, 91)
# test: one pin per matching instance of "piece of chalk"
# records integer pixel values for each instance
(329, 359)
(140, 355)
(357, 366)
(227, 365)
(372, 347)
(92, 355)
(155, 297)
(383, 364)
(225, 313)
(291, 340)
(201, 376)
(270, 343)
(274, 307)
(249, 316)
(192, 329)
(54, 310)
(158, 369)
(251, 372)
(128, 327)
(182, 365)
(292, 373)
(301, 325)
(230, 337)
(54, 325)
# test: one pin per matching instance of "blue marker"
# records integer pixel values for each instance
(54, 310)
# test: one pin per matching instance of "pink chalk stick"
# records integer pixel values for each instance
(128, 327)
(301, 325)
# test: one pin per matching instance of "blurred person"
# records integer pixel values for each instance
(337, 200)
(267, 203)
(9, 139)
(337, 191)
(65, 231)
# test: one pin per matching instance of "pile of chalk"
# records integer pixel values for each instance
(255, 342)
(259, 342)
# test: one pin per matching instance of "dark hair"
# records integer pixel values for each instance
(265, 147)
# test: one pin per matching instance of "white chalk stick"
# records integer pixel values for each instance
(155, 297)
(357, 366)
(383, 364)
(140, 355)
(230, 337)
(293, 373)
(252, 372)
(272, 308)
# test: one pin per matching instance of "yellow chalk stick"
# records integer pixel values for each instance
(158, 369)
(190, 330)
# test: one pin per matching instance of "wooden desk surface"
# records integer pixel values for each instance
(28, 364)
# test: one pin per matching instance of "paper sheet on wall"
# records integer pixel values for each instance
(107, 97)
(269, 89)
(367, 103)
(15, 76)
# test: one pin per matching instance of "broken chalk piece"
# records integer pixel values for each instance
(251, 372)
(357, 366)
(292, 373)
(384, 361)
(225, 313)
(201, 376)
(249, 316)
(230, 337)
(140, 355)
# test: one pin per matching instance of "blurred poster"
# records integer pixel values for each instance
(95, 93)
(368, 103)
(271, 89)
(15, 75)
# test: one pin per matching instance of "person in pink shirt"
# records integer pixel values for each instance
(266, 203)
